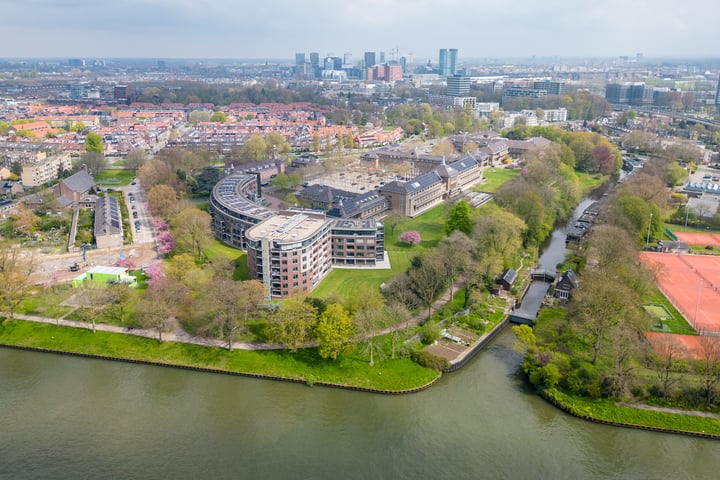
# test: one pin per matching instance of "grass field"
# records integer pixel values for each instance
(114, 177)
(306, 365)
(233, 254)
(347, 282)
(589, 182)
(675, 323)
(495, 178)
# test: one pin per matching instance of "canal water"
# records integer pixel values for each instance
(553, 252)
(63, 417)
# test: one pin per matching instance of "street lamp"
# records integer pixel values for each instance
(647, 240)
(686, 215)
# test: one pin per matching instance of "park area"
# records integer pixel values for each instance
(688, 281)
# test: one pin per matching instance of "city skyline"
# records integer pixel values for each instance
(280, 28)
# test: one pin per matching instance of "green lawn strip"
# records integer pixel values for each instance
(46, 302)
(608, 411)
(348, 282)
(495, 178)
(589, 182)
(305, 365)
(241, 271)
(675, 324)
(114, 177)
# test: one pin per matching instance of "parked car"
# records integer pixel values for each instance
(74, 267)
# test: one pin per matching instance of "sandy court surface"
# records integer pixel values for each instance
(684, 346)
(692, 284)
(703, 239)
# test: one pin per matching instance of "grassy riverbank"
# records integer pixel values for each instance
(305, 365)
(608, 411)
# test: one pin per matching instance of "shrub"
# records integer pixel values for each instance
(430, 360)
(429, 333)
(411, 237)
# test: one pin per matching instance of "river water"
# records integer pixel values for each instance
(63, 417)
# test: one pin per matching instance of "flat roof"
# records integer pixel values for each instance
(286, 228)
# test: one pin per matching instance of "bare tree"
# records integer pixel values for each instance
(15, 271)
(666, 358)
(707, 365)
(157, 308)
(93, 299)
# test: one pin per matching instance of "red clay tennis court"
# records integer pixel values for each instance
(702, 239)
(685, 346)
(692, 284)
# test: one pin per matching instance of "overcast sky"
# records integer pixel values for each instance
(279, 28)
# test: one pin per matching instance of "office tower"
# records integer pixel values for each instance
(347, 58)
(458, 86)
(369, 58)
(299, 59)
(382, 57)
(314, 64)
(447, 64)
(443, 63)
(717, 93)
(452, 61)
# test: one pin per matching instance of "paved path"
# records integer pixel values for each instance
(179, 335)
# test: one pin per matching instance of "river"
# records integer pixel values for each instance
(64, 417)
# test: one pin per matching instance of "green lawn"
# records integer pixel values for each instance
(676, 323)
(350, 369)
(589, 182)
(347, 282)
(495, 178)
(46, 302)
(114, 177)
(238, 256)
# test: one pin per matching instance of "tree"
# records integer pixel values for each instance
(459, 218)
(93, 143)
(120, 295)
(599, 306)
(206, 180)
(292, 324)
(334, 331)
(428, 278)
(93, 162)
(231, 304)
(162, 200)
(193, 234)
(666, 358)
(276, 145)
(93, 299)
(456, 255)
(368, 314)
(136, 159)
(315, 143)
(254, 149)
(197, 116)
(707, 365)
(15, 271)
(411, 237)
(497, 235)
(281, 181)
(218, 117)
(161, 302)
(24, 220)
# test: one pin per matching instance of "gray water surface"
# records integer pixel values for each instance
(63, 417)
